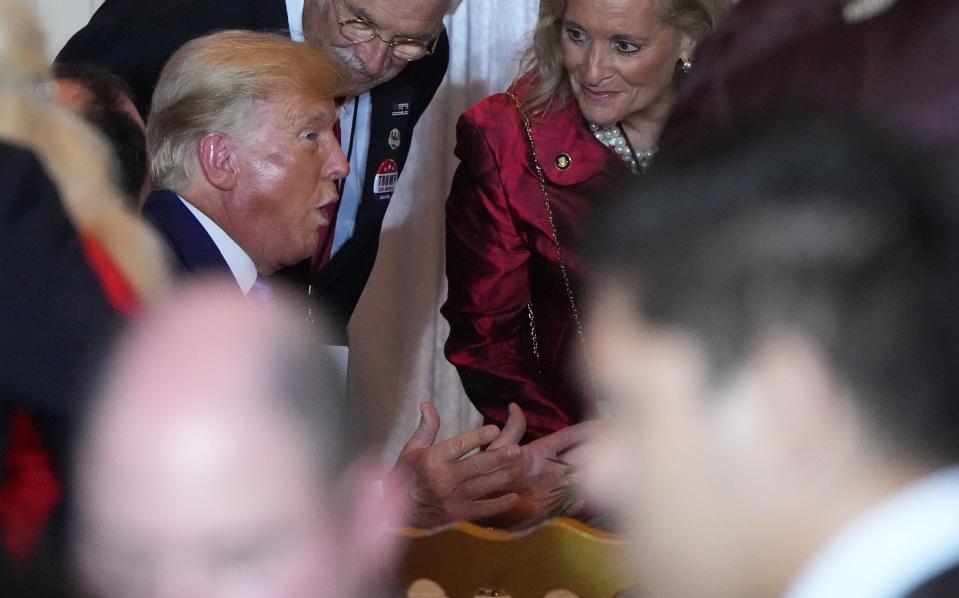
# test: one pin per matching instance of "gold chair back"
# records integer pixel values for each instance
(467, 560)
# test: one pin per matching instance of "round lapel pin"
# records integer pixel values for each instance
(563, 161)
(395, 139)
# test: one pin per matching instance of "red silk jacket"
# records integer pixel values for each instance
(500, 258)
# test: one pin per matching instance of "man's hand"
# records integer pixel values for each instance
(444, 487)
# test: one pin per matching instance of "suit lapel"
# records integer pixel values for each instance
(390, 136)
(193, 246)
(391, 132)
(396, 107)
(270, 15)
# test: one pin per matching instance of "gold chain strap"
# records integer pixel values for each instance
(532, 335)
(559, 253)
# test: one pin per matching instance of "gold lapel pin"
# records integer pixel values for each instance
(563, 161)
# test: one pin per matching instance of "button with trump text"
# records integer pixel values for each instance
(384, 183)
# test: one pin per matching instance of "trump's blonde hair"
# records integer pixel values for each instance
(210, 85)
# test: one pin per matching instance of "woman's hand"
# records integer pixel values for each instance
(550, 467)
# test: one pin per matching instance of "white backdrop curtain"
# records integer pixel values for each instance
(61, 19)
(397, 333)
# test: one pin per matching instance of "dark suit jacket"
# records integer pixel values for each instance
(134, 39)
(195, 251)
(944, 585)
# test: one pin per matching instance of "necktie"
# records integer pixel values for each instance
(261, 293)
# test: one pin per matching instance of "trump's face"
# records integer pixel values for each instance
(287, 168)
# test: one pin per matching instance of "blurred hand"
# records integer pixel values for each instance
(564, 445)
(550, 465)
(444, 486)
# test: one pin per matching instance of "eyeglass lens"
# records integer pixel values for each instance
(360, 32)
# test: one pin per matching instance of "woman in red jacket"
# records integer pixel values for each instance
(597, 86)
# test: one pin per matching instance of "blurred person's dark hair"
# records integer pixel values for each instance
(103, 110)
(843, 235)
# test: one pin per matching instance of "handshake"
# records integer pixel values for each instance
(504, 484)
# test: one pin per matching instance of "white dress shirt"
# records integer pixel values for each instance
(294, 16)
(242, 267)
(892, 548)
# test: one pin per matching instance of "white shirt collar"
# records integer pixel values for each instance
(892, 548)
(294, 15)
(242, 267)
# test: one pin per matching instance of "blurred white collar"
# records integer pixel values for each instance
(892, 548)
(856, 11)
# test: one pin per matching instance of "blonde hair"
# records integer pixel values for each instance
(543, 60)
(76, 158)
(210, 84)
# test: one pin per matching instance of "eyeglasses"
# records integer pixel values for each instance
(360, 31)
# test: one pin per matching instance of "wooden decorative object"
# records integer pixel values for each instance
(467, 560)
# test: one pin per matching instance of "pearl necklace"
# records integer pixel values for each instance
(613, 138)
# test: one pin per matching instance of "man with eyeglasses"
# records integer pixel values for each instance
(395, 53)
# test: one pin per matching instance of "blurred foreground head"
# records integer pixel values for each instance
(775, 324)
(105, 101)
(76, 158)
(216, 462)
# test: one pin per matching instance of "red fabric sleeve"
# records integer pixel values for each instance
(489, 290)
(29, 490)
(115, 286)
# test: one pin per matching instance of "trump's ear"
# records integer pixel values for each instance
(217, 158)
